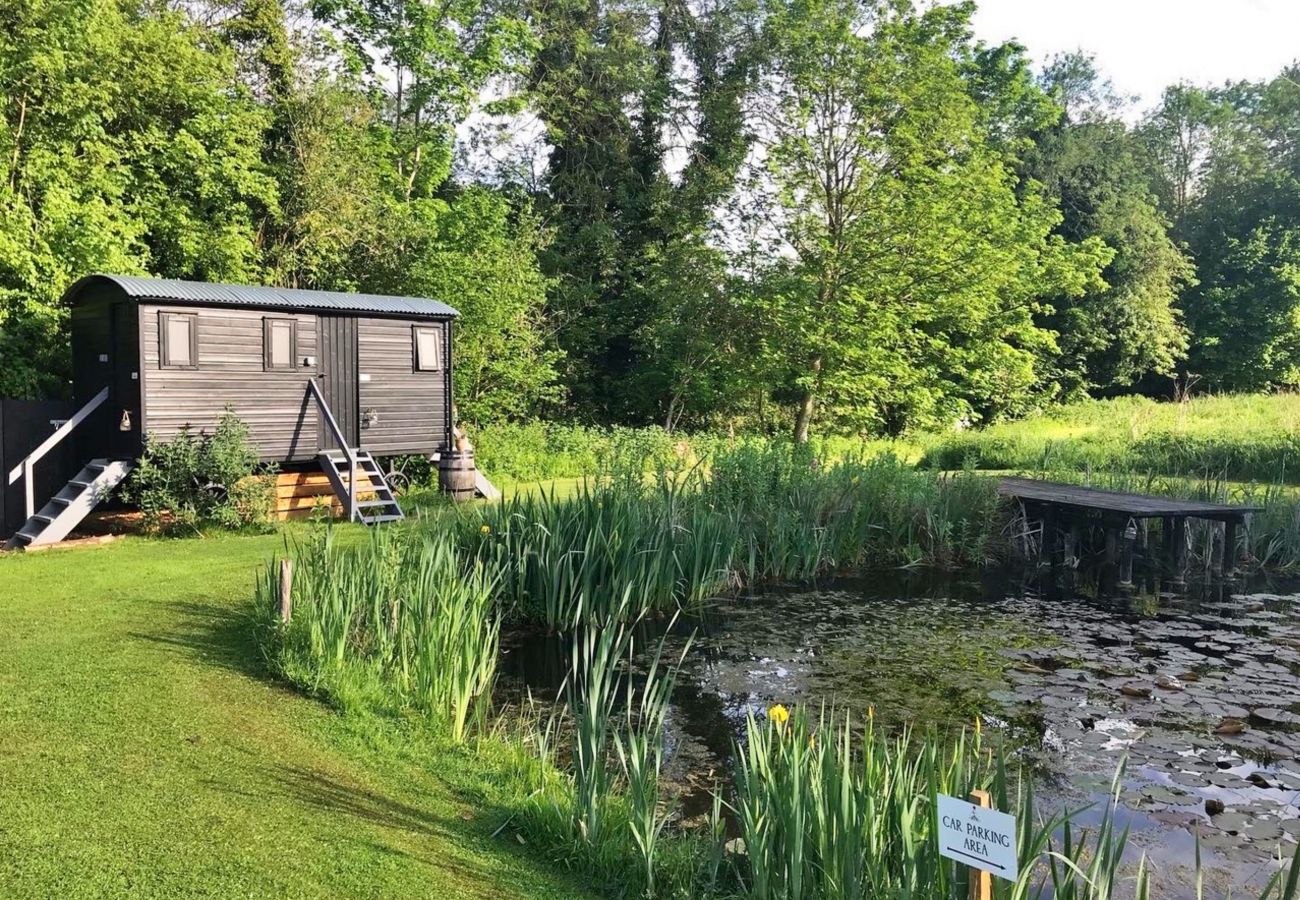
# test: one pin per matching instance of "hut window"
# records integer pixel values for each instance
(178, 335)
(280, 344)
(428, 348)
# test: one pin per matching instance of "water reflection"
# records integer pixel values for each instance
(1199, 689)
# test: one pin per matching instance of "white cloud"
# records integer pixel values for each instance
(1144, 45)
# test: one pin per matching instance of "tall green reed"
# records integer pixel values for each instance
(400, 615)
(754, 512)
(827, 810)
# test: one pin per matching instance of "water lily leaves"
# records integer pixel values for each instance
(1156, 793)
(1231, 822)
(1274, 717)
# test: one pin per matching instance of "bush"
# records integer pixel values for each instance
(195, 480)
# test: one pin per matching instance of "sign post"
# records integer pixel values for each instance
(972, 833)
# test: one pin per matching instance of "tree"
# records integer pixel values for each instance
(1177, 137)
(642, 104)
(908, 268)
(481, 254)
(1242, 221)
(1093, 167)
(126, 144)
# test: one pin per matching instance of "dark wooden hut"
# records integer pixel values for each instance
(320, 378)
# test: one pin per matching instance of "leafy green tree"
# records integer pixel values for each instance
(126, 144)
(1242, 221)
(1177, 135)
(909, 269)
(1094, 168)
(480, 254)
(643, 110)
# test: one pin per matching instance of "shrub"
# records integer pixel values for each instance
(201, 479)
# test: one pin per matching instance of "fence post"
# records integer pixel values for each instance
(286, 590)
(981, 882)
(352, 486)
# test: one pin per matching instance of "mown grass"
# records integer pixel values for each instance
(146, 752)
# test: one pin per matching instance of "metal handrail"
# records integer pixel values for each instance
(26, 468)
(314, 389)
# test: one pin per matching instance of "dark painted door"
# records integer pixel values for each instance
(338, 372)
(123, 419)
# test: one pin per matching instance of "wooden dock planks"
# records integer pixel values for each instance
(1134, 506)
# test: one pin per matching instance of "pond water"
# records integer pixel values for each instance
(1199, 690)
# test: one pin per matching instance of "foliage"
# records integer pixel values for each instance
(1128, 323)
(621, 89)
(479, 253)
(875, 141)
(127, 145)
(1233, 437)
(200, 479)
(755, 513)
(401, 613)
(1226, 163)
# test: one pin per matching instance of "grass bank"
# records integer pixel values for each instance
(1242, 437)
(147, 753)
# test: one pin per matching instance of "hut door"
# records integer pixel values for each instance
(122, 417)
(338, 371)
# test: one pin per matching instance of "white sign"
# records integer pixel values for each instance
(979, 837)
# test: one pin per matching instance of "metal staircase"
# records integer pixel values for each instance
(64, 512)
(68, 507)
(373, 502)
(346, 470)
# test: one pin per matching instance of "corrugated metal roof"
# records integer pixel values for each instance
(201, 292)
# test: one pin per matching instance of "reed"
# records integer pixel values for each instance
(400, 617)
(829, 811)
(755, 512)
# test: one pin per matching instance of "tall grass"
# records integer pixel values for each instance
(754, 512)
(828, 812)
(1239, 437)
(401, 616)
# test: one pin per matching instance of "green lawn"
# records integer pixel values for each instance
(143, 750)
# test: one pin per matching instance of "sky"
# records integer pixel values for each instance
(1144, 45)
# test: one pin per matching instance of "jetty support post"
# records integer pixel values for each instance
(1178, 550)
(1126, 554)
(1231, 556)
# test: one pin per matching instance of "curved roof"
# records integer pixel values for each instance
(205, 294)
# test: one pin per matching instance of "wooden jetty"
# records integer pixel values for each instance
(1065, 510)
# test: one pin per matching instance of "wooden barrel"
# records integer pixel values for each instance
(457, 473)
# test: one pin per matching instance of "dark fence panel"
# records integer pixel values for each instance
(23, 425)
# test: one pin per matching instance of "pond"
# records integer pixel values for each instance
(1199, 691)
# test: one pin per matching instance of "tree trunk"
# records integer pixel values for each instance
(807, 406)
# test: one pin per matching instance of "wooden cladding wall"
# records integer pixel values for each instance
(231, 370)
(406, 410)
